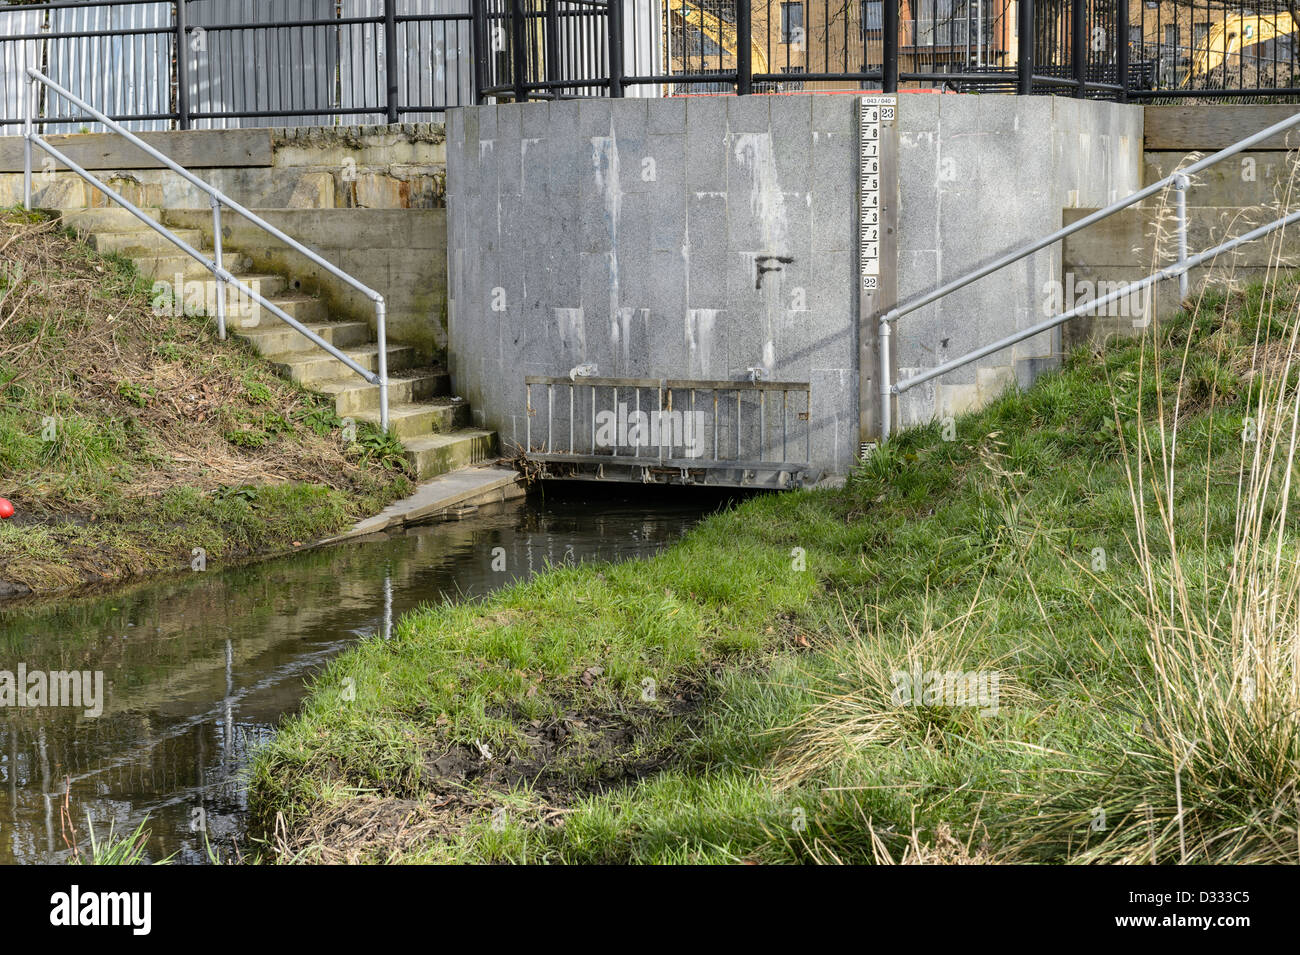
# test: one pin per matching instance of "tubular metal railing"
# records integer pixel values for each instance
(710, 432)
(223, 277)
(1179, 179)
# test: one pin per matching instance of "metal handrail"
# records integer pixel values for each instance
(1179, 179)
(215, 265)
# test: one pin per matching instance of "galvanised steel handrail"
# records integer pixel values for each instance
(1179, 179)
(216, 264)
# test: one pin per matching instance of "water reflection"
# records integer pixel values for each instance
(199, 669)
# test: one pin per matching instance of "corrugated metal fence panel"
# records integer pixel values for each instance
(363, 83)
(16, 57)
(243, 56)
(291, 71)
(120, 75)
(437, 68)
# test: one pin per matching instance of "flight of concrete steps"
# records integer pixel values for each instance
(430, 423)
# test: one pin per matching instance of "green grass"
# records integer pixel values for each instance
(130, 436)
(1013, 549)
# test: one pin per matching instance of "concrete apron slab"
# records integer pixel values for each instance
(464, 488)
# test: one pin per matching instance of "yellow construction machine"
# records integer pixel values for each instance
(714, 29)
(1234, 34)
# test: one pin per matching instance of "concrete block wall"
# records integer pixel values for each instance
(401, 253)
(630, 234)
(1228, 199)
(368, 198)
(328, 167)
(979, 176)
(1132, 244)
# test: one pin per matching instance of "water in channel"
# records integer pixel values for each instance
(199, 669)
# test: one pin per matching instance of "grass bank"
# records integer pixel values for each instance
(1064, 629)
(130, 436)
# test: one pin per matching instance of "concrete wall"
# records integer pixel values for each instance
(627, 234)
(329, 167)
(980, 175)
(401, 253)
(1227, 199)
(1132, 244)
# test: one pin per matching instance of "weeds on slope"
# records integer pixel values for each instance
(129, 436)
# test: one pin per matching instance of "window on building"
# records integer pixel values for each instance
(1135, 37)
(792, 23)
(946, 22)
(1199, 32)
(871, 14)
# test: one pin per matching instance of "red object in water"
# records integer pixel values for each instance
(6, 509)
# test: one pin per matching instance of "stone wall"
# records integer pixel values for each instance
(1228, 199)
(328, 167)
(401, 253)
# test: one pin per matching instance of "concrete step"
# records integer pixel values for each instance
(308, 368)
(439, 453)
(352, 395)
(416, 420)
(116, 219)
(165, 268)
(299, 307)
(282, 339)
(465, 487)
(264, 283)
(199, 295)
(142, 242)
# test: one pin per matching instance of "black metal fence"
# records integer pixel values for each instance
(161, 64)
(1115, 49)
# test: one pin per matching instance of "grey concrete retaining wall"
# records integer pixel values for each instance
(982, 174)
(1132, 244)
(626, 234)
(1228, 199)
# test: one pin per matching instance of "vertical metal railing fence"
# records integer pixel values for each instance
(167, 64)
(687, 428)
(161, 64)
(1111, 49)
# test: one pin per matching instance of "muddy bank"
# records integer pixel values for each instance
(556, 763)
